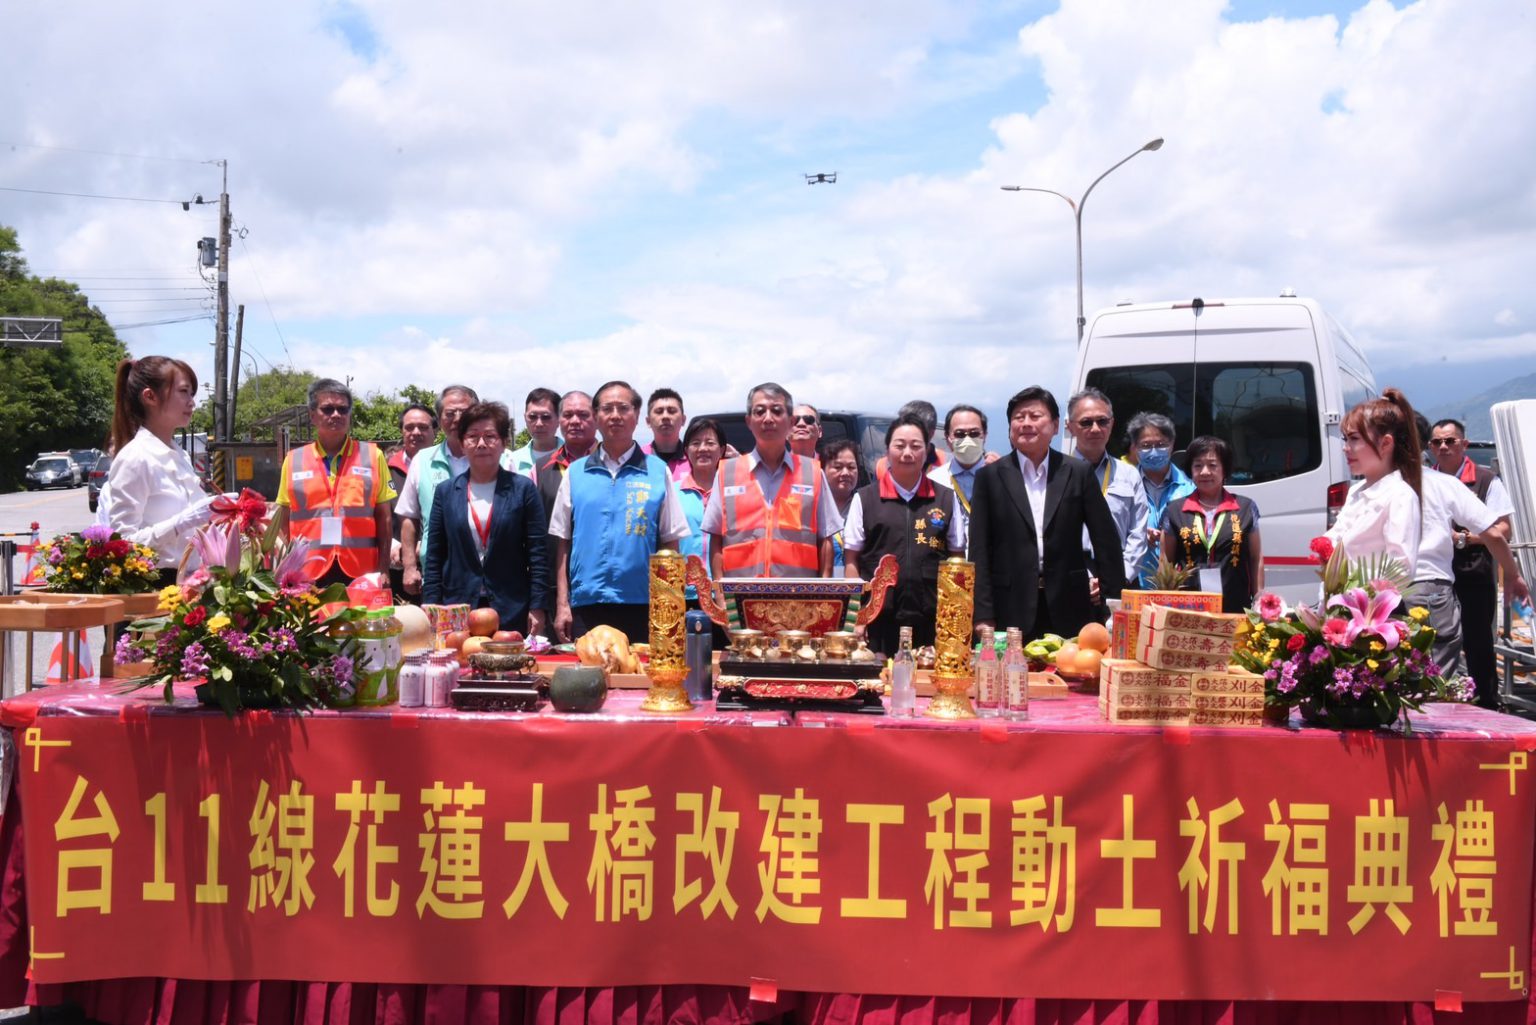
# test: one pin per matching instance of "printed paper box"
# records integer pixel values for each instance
(1200, 717)
(446, 619)
(1214, 652)
(1202, 702)
(1199, 601)
(1164, 699)
(1122, 633)
(1149, 716)
(1229, 681)
(1187, 661)
(1217, 624)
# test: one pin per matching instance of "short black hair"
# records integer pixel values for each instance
(328, 386)
(1461, 428)
(1035, 393)
(830, 450)
(1090, 392)
(905, 420)
(416, 407)
(774, 391)
(664, 393)
(539, 396)
(1209, 443)
(924, 411)
(699, 426)
(496, 412)
(963, 408)
(634, 396)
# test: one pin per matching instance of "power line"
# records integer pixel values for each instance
(103, 153)
(149, 288)
(267, 302)
(89, 195)
(155, 323)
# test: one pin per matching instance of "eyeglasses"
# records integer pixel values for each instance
(1443, 442)
(1088, 423)
(616, 408)
(968, 432)
(805, 418)
(481, 439)
(762, 411)
(705, 442)
(538, 418)
(333, 410)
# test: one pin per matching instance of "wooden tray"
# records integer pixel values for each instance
(42, 610)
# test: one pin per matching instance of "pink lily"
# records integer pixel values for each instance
(1372, 614)
(1309, 617)
(293, 570)
(217, 547)
(1336, 632)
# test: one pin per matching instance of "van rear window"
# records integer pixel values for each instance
(1267, 412)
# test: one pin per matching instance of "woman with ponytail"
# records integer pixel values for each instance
(1383, 513)
(153, 495)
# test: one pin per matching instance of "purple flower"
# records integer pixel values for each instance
(194, 661)
(97, 533)
(127, 650)
(55, 557)
(283, 640)
(239, 644)
(1318, 654)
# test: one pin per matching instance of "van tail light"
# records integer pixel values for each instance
(1337, 492)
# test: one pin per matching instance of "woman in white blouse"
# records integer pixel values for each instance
(1382, 513)
(153, 495)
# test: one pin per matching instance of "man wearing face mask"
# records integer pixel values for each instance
(1152, 436)
(1091, 422)
(965, 431)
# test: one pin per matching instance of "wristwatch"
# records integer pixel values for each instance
(1461, 539)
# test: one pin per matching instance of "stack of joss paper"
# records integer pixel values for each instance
(1182, 674)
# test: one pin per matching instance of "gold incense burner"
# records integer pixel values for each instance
(952, 673)
(668, 665)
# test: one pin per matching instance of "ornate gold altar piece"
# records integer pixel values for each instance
(668, 666)
(952, 674)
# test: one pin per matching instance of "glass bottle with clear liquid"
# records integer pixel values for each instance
(989, 681)
(903, 668)
(1015, 677)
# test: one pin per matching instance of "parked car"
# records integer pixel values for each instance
(866, 429)
(85, 458)
(53, 470)
(96, 478)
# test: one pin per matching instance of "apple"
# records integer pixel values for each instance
(483, 622)
(471, 646)
(507, 637)
(455, 640)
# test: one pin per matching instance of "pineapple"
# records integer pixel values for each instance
(1169, 576)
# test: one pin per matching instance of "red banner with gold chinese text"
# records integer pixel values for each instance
(1260, 864)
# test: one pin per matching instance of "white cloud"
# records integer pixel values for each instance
(510, 166)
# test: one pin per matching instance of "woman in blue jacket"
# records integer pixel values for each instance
(486, 538)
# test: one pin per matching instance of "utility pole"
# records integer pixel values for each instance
(221, 411)
(234, 384)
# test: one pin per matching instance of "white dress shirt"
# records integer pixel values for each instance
(149, 484)
(1381, 517)
(1034, 486)
(853, 523)
(1445, 499)
(673, 525)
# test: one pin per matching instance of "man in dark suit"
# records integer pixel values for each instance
(1028, 512)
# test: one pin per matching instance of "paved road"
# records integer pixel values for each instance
(54, 512)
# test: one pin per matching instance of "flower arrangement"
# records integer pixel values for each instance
(248, 622)
(1361, 656)
(98, 560)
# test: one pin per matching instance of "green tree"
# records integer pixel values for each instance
(52, 398)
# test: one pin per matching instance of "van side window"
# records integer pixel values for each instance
(1267, 412)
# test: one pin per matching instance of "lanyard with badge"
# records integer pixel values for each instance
(483, 529)
(1107, 476)
(1210, 575)
(330, 524)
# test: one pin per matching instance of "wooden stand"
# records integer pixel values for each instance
(69, 614)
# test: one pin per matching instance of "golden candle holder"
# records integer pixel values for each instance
(668, 665)
(952, 675)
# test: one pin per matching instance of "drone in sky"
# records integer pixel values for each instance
(827, 177)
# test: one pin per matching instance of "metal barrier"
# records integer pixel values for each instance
(1511, 654)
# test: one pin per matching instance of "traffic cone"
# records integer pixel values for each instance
(62, 667)
(32, 568)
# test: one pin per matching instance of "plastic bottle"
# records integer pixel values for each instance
(903, 690)
(1015, 677)
(379, 658)
(442, 675)
(989, 682)
(413, 680)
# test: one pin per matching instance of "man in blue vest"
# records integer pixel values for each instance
(614, 509)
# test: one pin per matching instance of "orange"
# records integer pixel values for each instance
(1066, 658)
(1087, 663)
(1094, 636)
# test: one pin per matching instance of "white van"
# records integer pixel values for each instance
(1272, 377)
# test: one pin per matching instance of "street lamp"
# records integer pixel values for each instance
(1077, 214)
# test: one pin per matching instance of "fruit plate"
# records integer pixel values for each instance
(1082, 683)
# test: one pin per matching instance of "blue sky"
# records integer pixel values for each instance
(568, 192)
